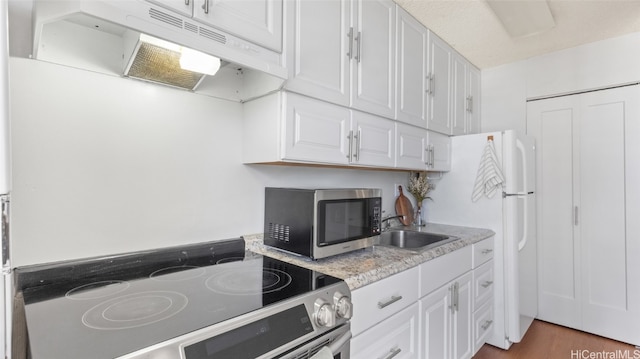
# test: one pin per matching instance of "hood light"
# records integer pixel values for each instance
(164, 62)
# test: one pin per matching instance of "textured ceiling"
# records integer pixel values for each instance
(474, 30)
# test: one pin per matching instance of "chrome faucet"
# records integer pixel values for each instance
(387, 219)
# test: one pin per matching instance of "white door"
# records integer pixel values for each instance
(609, 212)
(435, 324)
(315, 131)
(460, 70)
(462, 338)
(439, 87)
(410, 70)
(374, 66)
(473, 110)
(259, 21)
(374, 140)
(551, 122)
(321, 65)
(440, 151)
(589, 201)
(411, 152)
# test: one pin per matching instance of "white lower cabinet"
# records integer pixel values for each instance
(442, 309)
(395, 337)
(446, 320)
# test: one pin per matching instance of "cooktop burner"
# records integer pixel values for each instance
(108, 307)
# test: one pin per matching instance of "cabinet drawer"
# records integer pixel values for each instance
(482, 251)
(377, 301)
(482, 325)
(483, 283)
(395, 337)
(439, 271)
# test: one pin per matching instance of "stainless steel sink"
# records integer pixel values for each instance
(413, 240)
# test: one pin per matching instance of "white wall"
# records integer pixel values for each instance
(506, 88)
(106, 165)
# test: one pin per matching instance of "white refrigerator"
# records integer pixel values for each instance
(510, 213)
(5, 184)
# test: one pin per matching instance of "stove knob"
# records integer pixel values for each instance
(343, 306)
(324, 314)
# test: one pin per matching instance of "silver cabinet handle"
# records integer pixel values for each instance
(575, 215)
(394, 298)
(432, 86)
(486, 325)
(186, 2)
(205, 6)
(456, 293)
(428, 84)
(486, 251)
(470, 104)
(359, 46)
(433, 155)
(350, 36)
(358, 140)
(392, 353)
(350, 153)
(487, 284)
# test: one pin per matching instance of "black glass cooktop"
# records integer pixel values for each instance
(108, 307)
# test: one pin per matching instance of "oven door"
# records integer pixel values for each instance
(334, 344)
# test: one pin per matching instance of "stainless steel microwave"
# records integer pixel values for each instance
(319, 223)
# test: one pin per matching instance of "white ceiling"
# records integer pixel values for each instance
(472, 28)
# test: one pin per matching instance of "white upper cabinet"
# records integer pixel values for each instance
(411, 65)
(412, 151)
(374, 53)
(321, 48)
(287, 127)
(439, 151)
(465, 99)
(344, 52)
(259, 21)
(439, 85)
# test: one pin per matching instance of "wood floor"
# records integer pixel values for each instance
(549, 341)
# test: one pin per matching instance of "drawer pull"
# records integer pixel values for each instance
(393, 299)
(392, 353)
(486, 325)
(486, 251)
(487, 284)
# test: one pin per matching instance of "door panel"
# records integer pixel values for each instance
(551, 123)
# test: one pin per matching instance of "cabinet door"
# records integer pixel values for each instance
(459, 100)
(462, 337)
(184, 7)
(439, 110)
(374, 140)
(397, 337)
(259, 21)
(374, 61)
(315, 131)
(410, 70)
(440, 147)
(321, 66)
(435, 316)
(411, 152)
(473, 107)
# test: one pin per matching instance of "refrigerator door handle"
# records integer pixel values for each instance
(6, 263)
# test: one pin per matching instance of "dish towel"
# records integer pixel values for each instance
(489, 177)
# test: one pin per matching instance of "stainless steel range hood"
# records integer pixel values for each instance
(104, 36)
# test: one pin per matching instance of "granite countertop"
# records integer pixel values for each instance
(365, 266)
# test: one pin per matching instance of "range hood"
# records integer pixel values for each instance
(104, 36)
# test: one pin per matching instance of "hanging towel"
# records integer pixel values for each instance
(489, 177)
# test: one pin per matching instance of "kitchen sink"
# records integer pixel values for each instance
(413, 240)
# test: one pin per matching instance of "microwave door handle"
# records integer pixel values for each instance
(339, 343)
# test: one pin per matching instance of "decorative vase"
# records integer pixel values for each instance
(419, 221)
